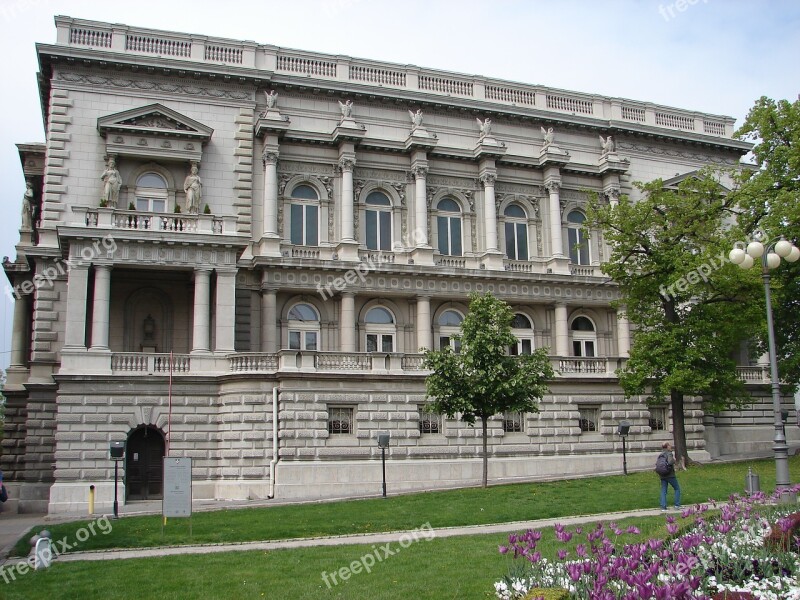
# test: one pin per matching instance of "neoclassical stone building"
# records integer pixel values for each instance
(234, 252)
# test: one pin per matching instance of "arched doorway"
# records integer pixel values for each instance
(144, 464)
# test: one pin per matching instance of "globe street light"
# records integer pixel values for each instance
(770, 255)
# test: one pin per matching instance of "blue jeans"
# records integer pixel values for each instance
(673, 481)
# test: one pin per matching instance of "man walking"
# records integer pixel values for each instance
(665, 467)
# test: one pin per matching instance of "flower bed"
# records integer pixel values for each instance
(749, 550)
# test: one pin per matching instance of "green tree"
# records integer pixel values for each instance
(770, 200)
(690, 308)
(483, 379)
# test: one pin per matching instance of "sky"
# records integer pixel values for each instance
(714, 56)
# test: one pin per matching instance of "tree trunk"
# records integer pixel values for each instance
(679, 429)
(485, 429)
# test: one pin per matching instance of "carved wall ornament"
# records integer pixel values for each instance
(416, 119)
(271, 98)
(165, 87)
(549, 137)
(358, 185)
(485, 127)
(347, 110)
(328, 183)
(282, 181)
(400, 188)
(608, 145)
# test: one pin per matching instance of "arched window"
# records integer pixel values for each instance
(379, 221)
(522, 328)
(448, 226)
(151, 193)
(578, 244)
(584, 337)
(449, 325)
(304, 219)
(516, 232)
(303, 327)
(380, 330)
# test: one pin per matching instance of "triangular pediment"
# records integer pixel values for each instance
(673, 182)
(154, 119)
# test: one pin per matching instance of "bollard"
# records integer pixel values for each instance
(91, 499)
(752, 482)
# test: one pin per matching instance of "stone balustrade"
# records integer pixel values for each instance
(232, 54)
(112, 218)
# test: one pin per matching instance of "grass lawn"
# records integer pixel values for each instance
(439, 568)
(474, 506)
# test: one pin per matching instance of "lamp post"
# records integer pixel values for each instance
(383, 442)
(623, 429)
(770, 255)
(117, 451)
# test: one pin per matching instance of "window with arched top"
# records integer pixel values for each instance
(584, 337)
(303, 327)
(151, 193)
(304, 216)
(516, 232)
(522, 328)
(380, 329)
(449, 326)
(448, 227)
(578, 244)
(378, 221)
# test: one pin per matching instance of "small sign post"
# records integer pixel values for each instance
(177, 501)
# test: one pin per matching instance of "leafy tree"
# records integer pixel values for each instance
(770, 200)
(483, 379)
(689, 306)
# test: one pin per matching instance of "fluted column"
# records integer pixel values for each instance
(347, 165)
(201, 327)
(100, 306)
(490, 211)
(347, 322)
(420, 206)
(270, 225)
(269, 331)
(75, 327)
(556, 245)
(562, 332)
(424, 335)
(18, 332)
(623, 333)
(225, 311)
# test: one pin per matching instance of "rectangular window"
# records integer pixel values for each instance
(372, 342)
(444, 237)
(429, 422)
(387, 343)
(583, 348)
(512, 422)
(578, 247)
(511, 242)
(658, 418)
(304, 227)
(455, 236)
(589, 418)
(372, 229)
(386, 230)
(311, 340)
(294, 340)
(340, 420)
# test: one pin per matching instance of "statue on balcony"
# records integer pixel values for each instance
(27, 207)
(608, 145)
(347, 109)
(193, 187)
(486, 127)
(111, 183)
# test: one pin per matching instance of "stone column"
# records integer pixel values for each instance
(556, 245)
(75, 327)
(561, 330)
(623, 333)
(420, 207)
(270, 225)
(424, 335)
(347, 165)
(490, 211)
(347, 322)
(100, 306)
(202, 298)
(269, 331)
(225, 311)
(19, 331)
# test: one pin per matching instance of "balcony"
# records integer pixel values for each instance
(173, 223)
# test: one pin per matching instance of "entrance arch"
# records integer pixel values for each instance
(144, 464)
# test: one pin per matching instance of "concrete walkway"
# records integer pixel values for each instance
(367, 539)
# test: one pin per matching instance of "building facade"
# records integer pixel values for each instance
(235, 252)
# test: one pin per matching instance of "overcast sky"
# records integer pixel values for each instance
(715, 56)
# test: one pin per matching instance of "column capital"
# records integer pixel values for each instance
(269, 157)
(419, 172)
(346, 164)
(488, 179)
(553, 186)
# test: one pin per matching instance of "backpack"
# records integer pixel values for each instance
(663, 468)
(3, 493)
